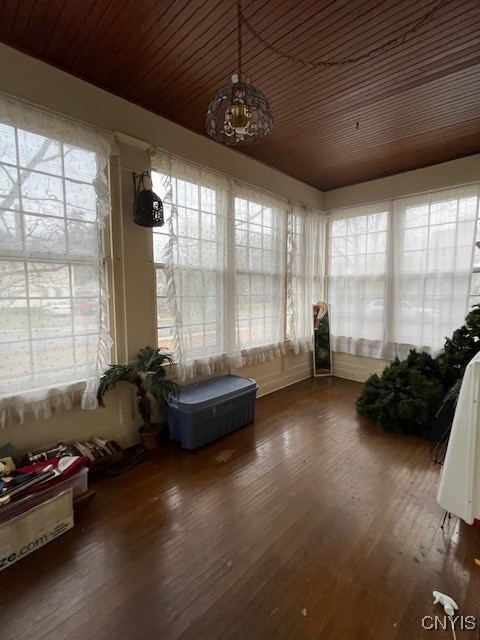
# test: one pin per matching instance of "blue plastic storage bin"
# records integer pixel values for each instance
(209, 410)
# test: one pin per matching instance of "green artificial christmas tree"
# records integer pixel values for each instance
(460, 348)
(405, 398)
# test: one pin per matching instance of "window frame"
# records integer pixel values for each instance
(58, 386)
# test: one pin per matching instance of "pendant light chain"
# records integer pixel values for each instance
(239, 35)
(394, 42)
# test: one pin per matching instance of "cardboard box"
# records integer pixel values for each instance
(31, 530)
(78, 483)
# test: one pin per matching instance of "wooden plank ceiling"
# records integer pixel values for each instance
(411, 105)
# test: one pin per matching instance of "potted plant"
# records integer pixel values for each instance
(148, 373)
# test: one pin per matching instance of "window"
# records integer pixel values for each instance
(224, 274)
(198, 228)
(52, 297)
(475, 283)
(400, 272)
(435, 240)
(358, 278)
(259, 273)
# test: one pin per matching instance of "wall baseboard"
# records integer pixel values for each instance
(357, 368)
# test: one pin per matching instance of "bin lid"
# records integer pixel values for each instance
(202, 394)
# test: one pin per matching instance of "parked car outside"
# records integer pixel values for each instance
(375, 308)
(64, 307)
(57, 308)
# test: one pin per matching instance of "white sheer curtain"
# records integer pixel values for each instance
(226, 270)
(305, 273)
(194, 264)
(260, 272)
(54, 196)
(434, 238)
(358, 278)
(399, 272)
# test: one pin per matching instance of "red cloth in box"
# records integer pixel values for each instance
(65, 466)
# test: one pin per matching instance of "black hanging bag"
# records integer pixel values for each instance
(147, 207)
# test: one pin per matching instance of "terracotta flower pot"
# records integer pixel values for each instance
(149, 438)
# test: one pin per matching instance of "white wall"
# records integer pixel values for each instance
(438, 176)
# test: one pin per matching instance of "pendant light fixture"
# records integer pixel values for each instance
(239, 113)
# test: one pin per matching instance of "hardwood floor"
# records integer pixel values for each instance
(309, 524)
